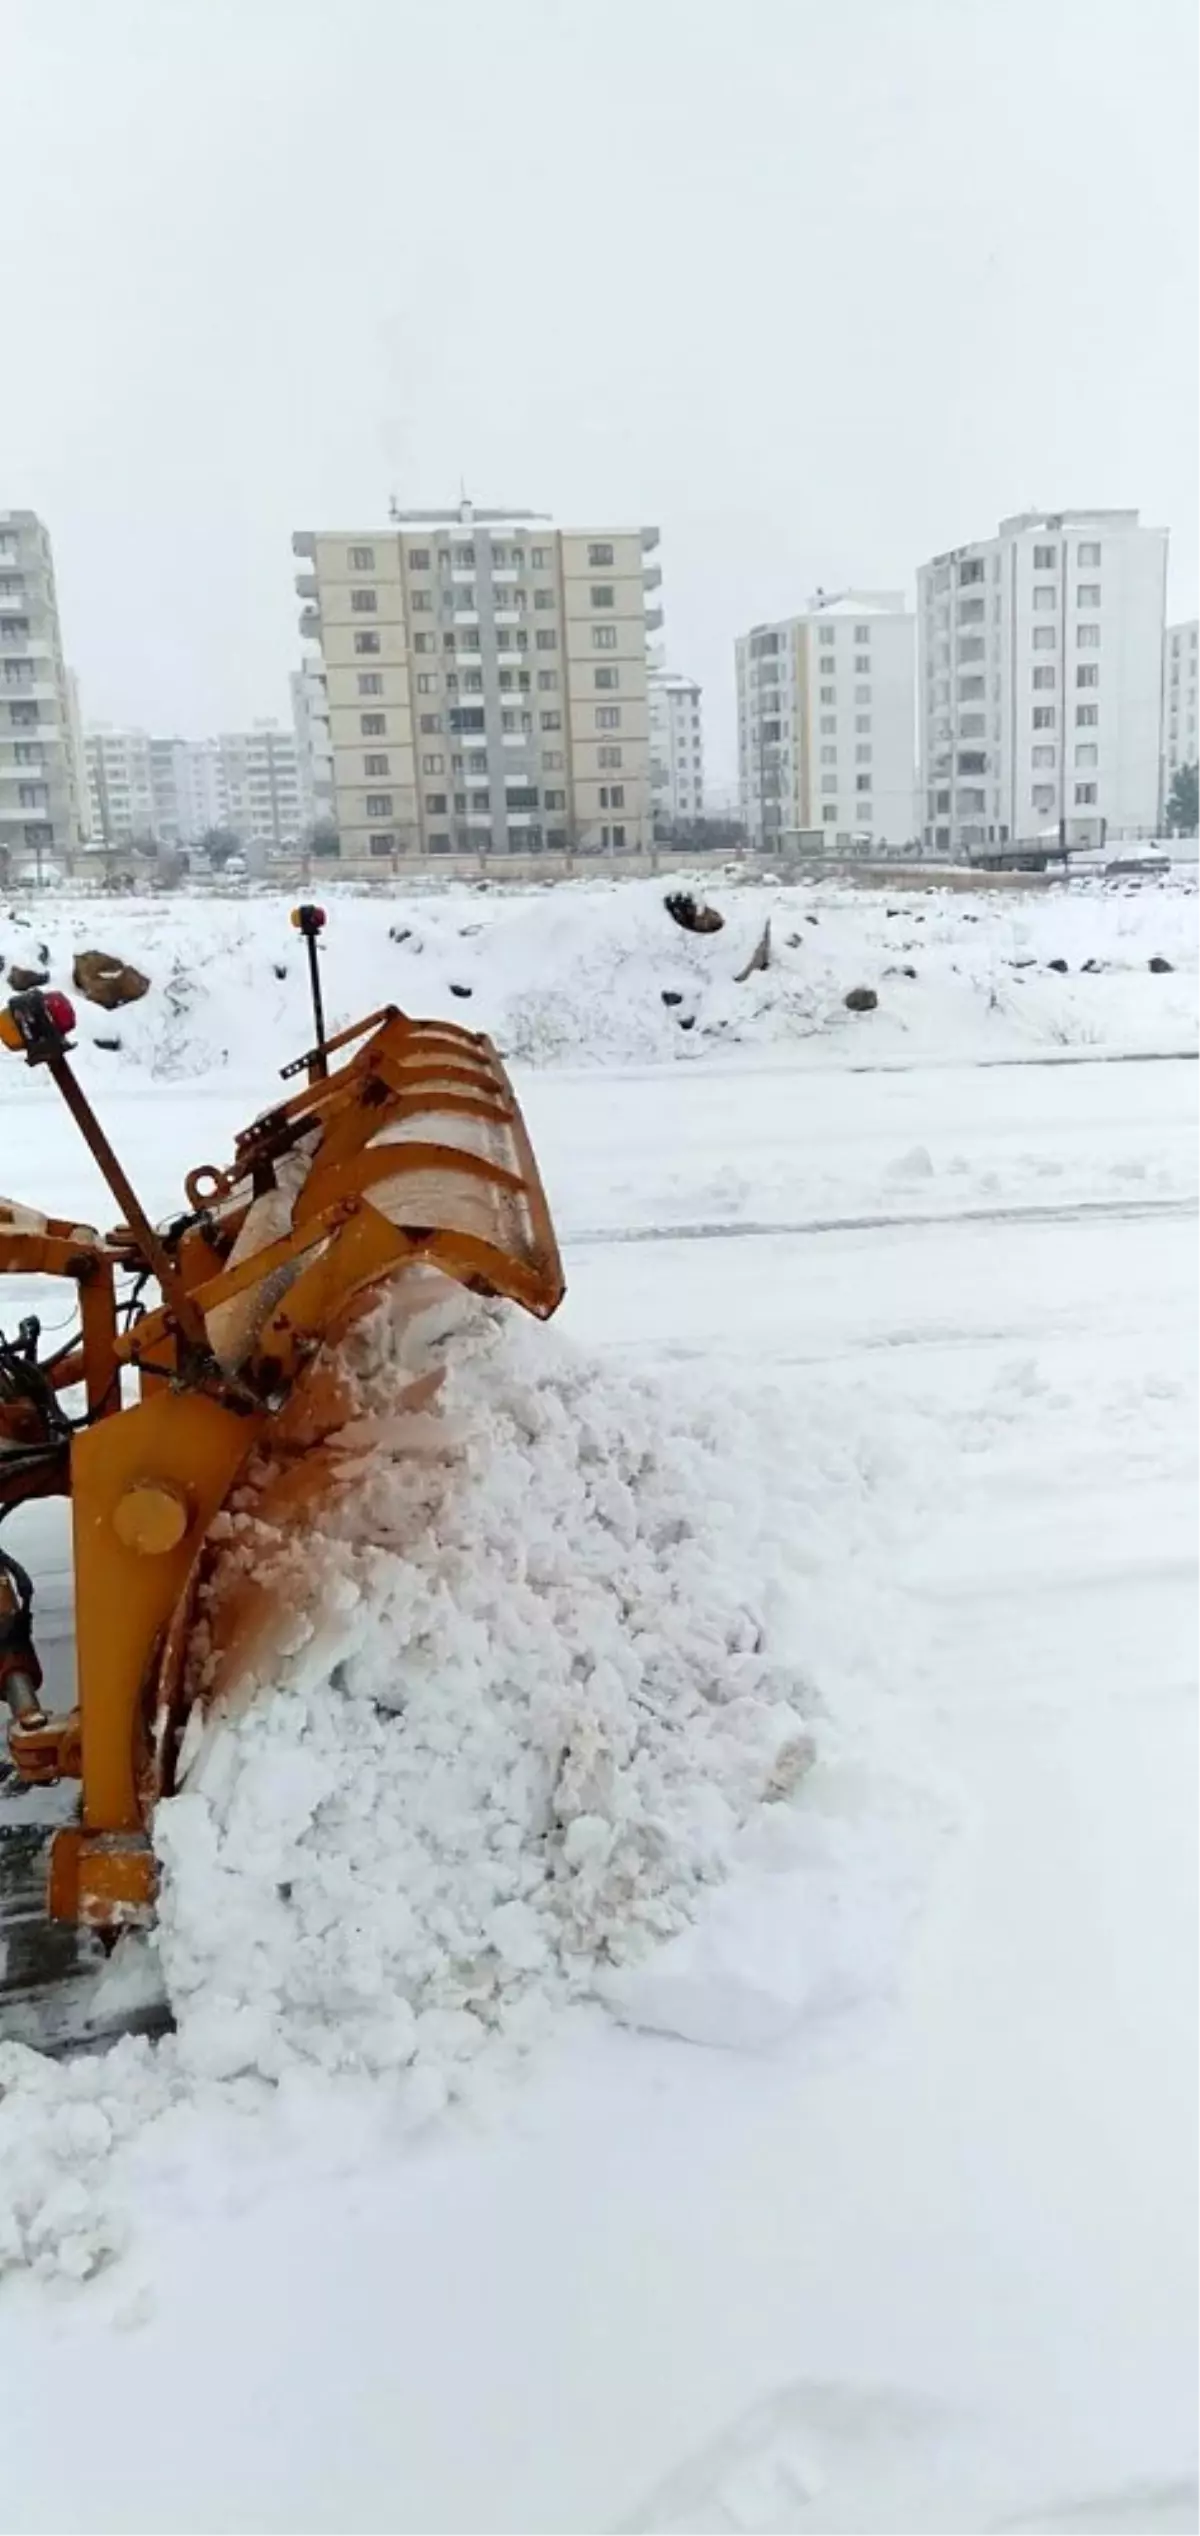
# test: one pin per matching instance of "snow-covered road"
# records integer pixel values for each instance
(928, 2261)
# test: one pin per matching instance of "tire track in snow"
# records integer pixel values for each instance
(1107, 1209)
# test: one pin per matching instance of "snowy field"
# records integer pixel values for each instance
(686, 1993)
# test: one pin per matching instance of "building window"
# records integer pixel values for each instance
(604, 638)
(1086, 753)
(543, 598)
(862, 784)
(433, 722)
(364, 602)
(1045, 596)
(606, 677)
(1045, 678)
(607, 755)
(1045, 638)
(608, 717)
(862, 633)
(467, 717)
(539, 558)
(551, 721)
(379, 805)
(419, 559)
(1043, 756)
(1087, 638)
(1088, 594)
(1043, 796)
(376, 766)
(829, 810)
(547, 678)
(423, 643)
(421, 602)
(971, 570)
(547, 640)
(862, 753)
(1088, 674)
(969, 688)
(1089, 555)
(829, 724)
(1084, 793)
(827, 634)
(433, 766)
(381, 844)
(372, 725)
(435, 804)
(829, 695)
(612, 796)
(464, 559)
(862, 664)
(1043, 717)
(362, 559)
(552, 800)
(427, 682)
(829, 756)
(603, 594)
(598, 556)
(366, 642)
(1087, 716)
(862, 695)
(1045, 558)
(829, 783)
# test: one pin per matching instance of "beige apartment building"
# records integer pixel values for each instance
(486, 684)
(43, 814)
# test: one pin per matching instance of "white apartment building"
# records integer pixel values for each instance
(676, 749)
(1040, 653)
(825, 723)
(1180, 744)
(41, 814)
(485, 680)
(314, 748)
(172, 792)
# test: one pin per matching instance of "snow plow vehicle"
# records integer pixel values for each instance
(403, 1150)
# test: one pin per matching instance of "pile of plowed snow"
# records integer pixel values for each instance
(539, 1676)
(593, 973)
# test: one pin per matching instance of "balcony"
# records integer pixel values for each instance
(654, 618)
(651, 537)
(652, 577)
(310, 624)
(304, 543)
(306, 585)
(466, 616)
(509, 616)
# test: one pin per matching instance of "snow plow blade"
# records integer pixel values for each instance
(407, 1156)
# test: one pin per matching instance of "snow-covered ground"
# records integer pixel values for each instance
(891, 1375)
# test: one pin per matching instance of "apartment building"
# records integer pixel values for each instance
(314, 748)
(1040, 676)
(485, 679)
(1180, 744)
(825, 723)
(676, 749)
(259, 780)
(171, 792)
(42, 816)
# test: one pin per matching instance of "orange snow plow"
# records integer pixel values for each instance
(404, 1149)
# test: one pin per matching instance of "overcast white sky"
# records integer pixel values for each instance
(820, 286)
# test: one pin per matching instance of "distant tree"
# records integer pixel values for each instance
(1183, 802)
(323, 838)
